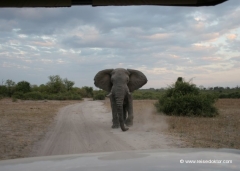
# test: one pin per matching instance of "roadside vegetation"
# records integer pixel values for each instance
(55, 89)
(185, 99)
(99, 94)
(58, 88)
(218, 92)
(203, 118)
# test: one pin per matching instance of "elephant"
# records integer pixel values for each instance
(120, 83)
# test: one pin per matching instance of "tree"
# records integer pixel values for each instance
(68, 84)
(58, 85)
(43, 88)
(23, 86)
(34, 87)
(10, 87)
(99, 94)
(55, 84)
(89, 91)
(3, 91)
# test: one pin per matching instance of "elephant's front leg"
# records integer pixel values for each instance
(115, 119)
(129, 121)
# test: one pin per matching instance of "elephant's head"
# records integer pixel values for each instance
(119, 82)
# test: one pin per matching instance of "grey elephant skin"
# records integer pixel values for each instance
(120, 83)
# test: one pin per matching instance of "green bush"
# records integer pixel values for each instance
(184, 99)
(76, 97)
(142, 95)
(232, 95)
(33, 96)
(62, 96)
(19, 95)
(99, 95)
(58, 96)
(3, 91)
(23, 86)
(137, 96)
(89, 91)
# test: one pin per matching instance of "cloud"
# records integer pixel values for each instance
(231, 36)
(163, 42)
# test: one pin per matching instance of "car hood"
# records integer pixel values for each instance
(167, 159)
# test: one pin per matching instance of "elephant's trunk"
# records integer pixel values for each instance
(120, 93)
(120, 115)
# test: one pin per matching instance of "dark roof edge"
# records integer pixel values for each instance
(68, 3)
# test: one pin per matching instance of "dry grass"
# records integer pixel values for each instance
(23, 123)
(222, 131)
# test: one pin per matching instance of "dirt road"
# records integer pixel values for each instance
(86, 127)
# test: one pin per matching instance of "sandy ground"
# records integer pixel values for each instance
(25, 122)
(86, 127)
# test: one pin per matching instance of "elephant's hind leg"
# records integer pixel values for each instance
(124, 113)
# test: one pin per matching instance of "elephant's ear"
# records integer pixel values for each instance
(136, 79)
(103, 80)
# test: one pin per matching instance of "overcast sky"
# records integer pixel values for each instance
(164, 43)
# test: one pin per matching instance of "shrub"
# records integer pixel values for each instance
(76, 97)
(18, 95)
(33, 96)
(3, 91)
(142, 95)
(99, 95)
(23, 86)
(233, 95)
(63, 96)
(89, 91)
(80, 91)
(184, 99)
(137, 95)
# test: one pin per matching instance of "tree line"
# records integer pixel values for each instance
(58, 88)
(55, 89)
(218, 91)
